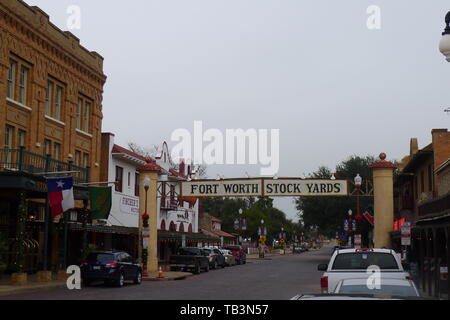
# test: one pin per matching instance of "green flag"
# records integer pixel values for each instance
(100, 202)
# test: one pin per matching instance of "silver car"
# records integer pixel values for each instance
(230, 260)
(385, 286)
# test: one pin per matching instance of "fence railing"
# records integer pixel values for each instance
(33, 163)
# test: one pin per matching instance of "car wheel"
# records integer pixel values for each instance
(138, 278)
(121, 281)
(244, 262)
(197, 269)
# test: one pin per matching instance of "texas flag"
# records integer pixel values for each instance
(60, 195)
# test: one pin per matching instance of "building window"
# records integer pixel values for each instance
(85, 160)
(79, 107)
(119, 179)
(48, 99)
(54, 99)
(21, 137)
(9, 137)
(84, 114)
(430, 178)
(11, 78)
(23, 81)
(58, 102)
(136, 184)
(57, 154)
(47, 147)
(422, 181)
(77, 158)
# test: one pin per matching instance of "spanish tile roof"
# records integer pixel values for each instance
(118, 149)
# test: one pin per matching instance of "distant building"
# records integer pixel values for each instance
(213, 227)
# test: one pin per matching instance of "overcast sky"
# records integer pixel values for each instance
(309, 68)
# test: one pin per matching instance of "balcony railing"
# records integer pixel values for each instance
(435, 206)
(24, 161)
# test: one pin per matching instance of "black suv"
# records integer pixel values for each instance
(111, 267)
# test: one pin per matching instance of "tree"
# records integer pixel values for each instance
(329, 213)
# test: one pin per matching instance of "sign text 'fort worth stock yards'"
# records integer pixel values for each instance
(264, 187)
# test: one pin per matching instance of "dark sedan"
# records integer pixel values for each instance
(111, 267)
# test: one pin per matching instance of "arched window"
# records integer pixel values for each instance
(181, 227)
(163, 225)
(172, 226)
(190, 227)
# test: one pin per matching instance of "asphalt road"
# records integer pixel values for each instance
(280, 278)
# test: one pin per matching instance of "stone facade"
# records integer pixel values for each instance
(50, 89)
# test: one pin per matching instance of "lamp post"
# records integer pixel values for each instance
(262, 239)
(350, 225)
(240, 226)
(145, 231)
(358, 183)
(444, 44)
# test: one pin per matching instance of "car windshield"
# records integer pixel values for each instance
(188, 251)
(393, 290)
(362, 260)
(208, 251)
(100, 257)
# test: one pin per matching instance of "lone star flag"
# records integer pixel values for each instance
(60, 195)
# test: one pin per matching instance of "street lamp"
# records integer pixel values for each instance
(240, 226)
(444, 44)
(262, 239)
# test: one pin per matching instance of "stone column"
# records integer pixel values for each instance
(150, 171)
(383, 189)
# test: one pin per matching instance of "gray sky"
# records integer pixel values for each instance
(309, 68)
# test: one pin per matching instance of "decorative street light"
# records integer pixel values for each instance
(350, 226)
(240, 226)
(444, 44)
(262, 232)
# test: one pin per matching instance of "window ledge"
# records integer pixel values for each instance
(18, 104)
(55, 120)
(84, 133)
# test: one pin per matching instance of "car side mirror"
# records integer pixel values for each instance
(322, 267)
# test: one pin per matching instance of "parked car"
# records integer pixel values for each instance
(391, 287)
(230, 260)
(350, 297)
(215, 257)
(111, 267)
(238, 252)
(298, 249)
(190, 258)
(353, 264)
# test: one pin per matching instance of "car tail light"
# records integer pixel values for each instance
(409, 278)
(112, 264)
(83, 264)
(324, 282)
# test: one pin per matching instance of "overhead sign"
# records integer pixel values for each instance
(281, 187)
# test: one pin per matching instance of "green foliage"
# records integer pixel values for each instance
(254, 209)
(329, 213)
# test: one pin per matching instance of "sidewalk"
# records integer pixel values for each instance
(169, 275)
(33, 285)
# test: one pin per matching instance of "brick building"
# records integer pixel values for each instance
(423, 198)
(50, 121)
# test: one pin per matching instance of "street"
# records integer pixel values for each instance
(279, 278)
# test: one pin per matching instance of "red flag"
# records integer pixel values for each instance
(369, 217)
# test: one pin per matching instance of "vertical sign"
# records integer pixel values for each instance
(357, 241)
(406, 233)
(145, 237)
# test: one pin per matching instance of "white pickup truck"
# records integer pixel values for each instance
(354, 264)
